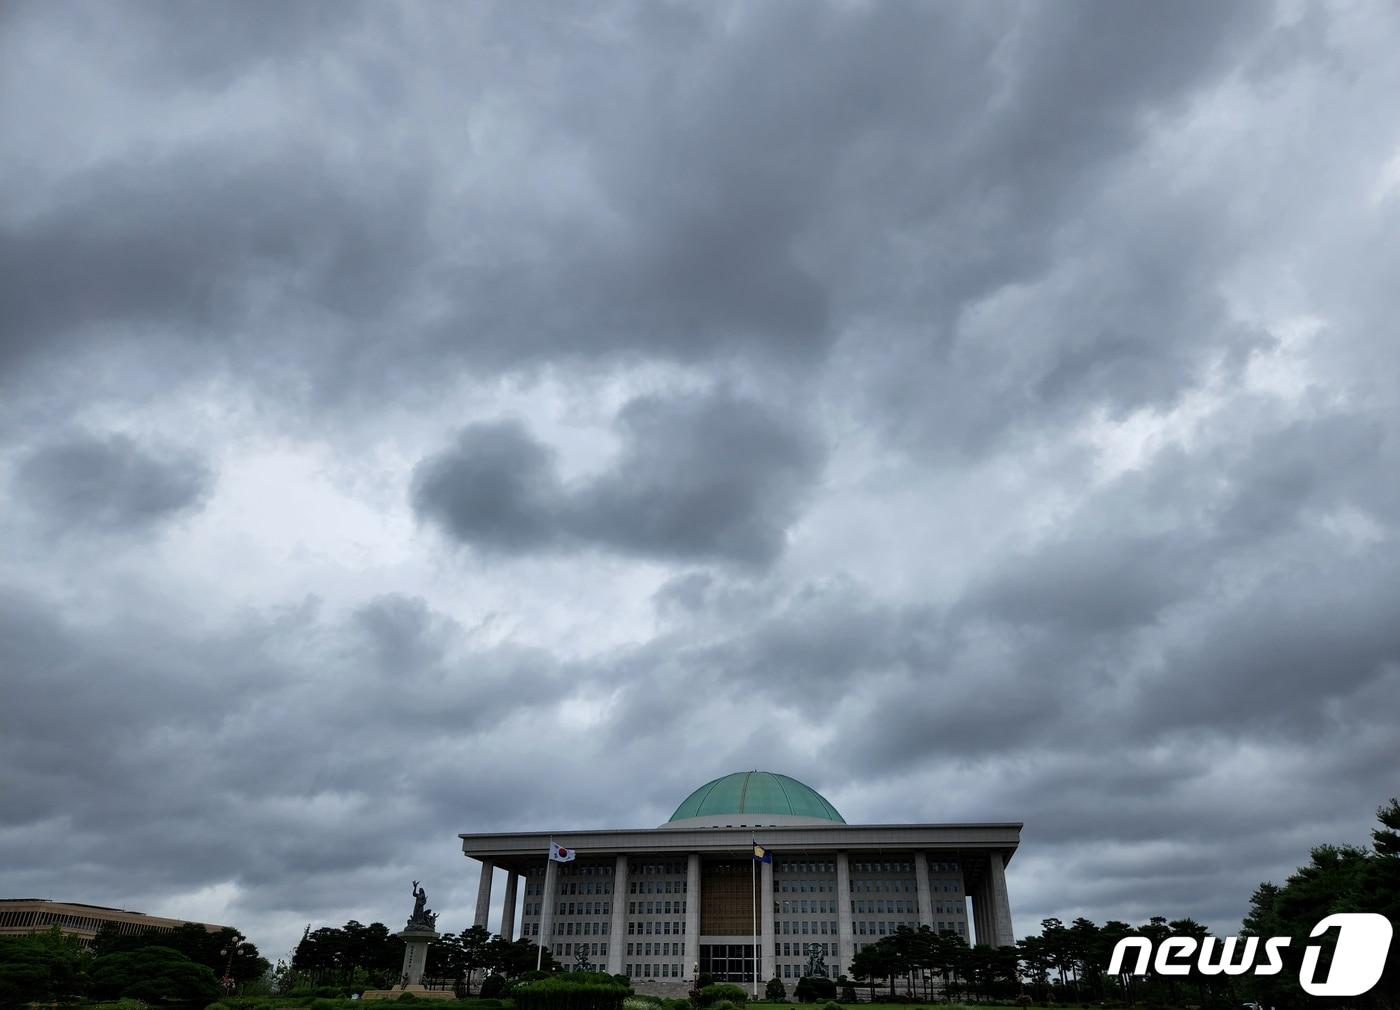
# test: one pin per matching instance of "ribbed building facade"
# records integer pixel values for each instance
(37, 915)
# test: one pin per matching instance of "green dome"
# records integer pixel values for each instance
(756, 793)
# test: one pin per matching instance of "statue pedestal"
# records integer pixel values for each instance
(415, 955)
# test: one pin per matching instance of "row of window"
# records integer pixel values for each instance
(665, 948)
(893, 905)
(882, 928)
(571, 870)
(804, 886)
(883, 886)
(662, 928)
(861, 866)
(802, 949)
(809, 907)
(580, 928)
(657, 887)
(574, 908)
(797, 866)
(592, 949)
(653, 970)
(581, 887)
(656, 869)
(786, 928)
(655, 907)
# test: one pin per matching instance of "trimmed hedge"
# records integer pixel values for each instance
(722, 992)
(561, 993)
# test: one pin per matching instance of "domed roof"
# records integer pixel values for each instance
(756, 793)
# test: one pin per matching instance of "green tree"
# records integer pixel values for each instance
(40, 967)
(775, 990)
(877, 960)
(475, 942)
(153, 975)
(513, 958)
(1036, 963)
(1380, 890)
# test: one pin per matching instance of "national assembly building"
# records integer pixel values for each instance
(657, 904)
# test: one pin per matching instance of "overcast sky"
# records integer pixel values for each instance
(429, 418)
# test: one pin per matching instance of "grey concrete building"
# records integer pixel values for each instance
(660, 903)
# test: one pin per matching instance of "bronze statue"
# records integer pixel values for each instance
(422, 916)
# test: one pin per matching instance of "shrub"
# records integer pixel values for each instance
(217, 1006)
(704, 979)
(832, 1006)
(492, 986)
(775, 990)
(563, 992)
(811, 988)
(722, 992)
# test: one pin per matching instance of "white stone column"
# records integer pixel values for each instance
(921, 884)
(508, 906)
(765, 918)
(999, 903)
(617, 924)
(692, 916)
(846, 941)
(483, 893)
(551, 878)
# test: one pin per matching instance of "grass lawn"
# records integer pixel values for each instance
(930, 1005)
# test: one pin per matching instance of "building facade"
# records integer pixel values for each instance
(659, 904)
(36, 915)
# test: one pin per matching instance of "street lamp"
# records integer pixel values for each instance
(227, 980)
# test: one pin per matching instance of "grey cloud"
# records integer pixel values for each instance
(109, 484)
(495, 487)
(698, 477)
(215, 250)
(953, 239)
(1095, 584)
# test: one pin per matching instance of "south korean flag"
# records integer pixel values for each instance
(560, 854)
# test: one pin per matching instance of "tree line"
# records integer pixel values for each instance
(359, 957)
(188, 964)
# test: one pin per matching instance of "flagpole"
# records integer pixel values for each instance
(753, 878)
(539, 946)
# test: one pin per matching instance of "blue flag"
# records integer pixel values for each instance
(762, 855)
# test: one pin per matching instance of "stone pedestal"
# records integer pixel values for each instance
(415, 954)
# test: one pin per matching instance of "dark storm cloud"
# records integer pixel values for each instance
(206, 248)
(759, 203)
(707, 476)
(958, 261)
(108, 484)
(249, 745)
